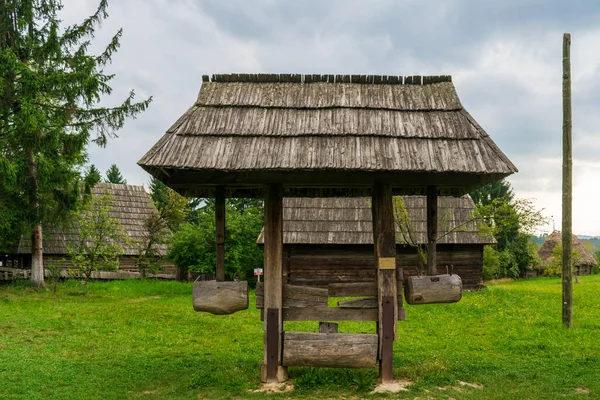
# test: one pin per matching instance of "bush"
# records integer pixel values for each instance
(491, 263)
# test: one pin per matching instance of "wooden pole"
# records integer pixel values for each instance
(273, 291)
(432, 225)
(220, 228)
(567, 195)
(385, 252)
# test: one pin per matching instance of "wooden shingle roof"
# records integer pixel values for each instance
(131, 205)
(327, 132)
(348, 221)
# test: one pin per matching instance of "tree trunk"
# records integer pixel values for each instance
(37, 249)
(37, 257)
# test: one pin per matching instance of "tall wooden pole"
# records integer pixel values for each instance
(385, 252)
(220, 231)
(273, 282)
(432, 225)
(567, 190)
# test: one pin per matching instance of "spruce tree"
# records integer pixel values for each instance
(113, 175)
(51, 86)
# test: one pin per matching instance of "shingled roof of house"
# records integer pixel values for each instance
(327, 132)
(348, 221)
(131, 205)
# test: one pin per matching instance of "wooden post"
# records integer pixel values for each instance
(220, 228)
(432, 225)
(273, 292)
(385, 252)
(567, 195)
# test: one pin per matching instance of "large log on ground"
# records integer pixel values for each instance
(220, 298)
(334, 350)
(433, 289)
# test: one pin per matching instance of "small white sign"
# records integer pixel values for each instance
(258, 271)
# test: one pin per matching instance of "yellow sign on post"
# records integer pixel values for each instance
(386, 263)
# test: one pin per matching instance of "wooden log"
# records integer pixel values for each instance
(433, 289)
(328, 327)
(367, 302)
(220, 232)
(432, 225)
(273, 270)
(329, 314)
(295, 296)
(385, 252)
(334, 350)
(220, 298)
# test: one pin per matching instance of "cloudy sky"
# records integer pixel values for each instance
(505, 58)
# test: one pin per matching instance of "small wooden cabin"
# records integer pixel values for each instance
(329, 240)
(584, 263)
(132, 205)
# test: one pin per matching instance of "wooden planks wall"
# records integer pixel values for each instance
(319, 265)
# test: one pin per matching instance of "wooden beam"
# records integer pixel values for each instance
(567, 189)
(273, 296)
(432, 225)
(385, 252)
(330, 314)
(220, 230)
(328, 327)
(295, 296)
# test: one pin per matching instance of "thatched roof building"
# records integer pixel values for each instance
(348, 221)
(325, 135)
(132, 205)
(584, 261)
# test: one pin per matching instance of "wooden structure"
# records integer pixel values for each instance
(583, 261)
(132, 205)
(288, 135)
(328, 240)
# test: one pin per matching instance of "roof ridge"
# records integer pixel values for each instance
(329, 78)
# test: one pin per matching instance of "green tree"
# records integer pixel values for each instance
(92, 177)
(193, 246)
(100, 239)
(500, 189)
(113, 175)
(512, 222)
(171, 205)
(155, 234)
(49, 111)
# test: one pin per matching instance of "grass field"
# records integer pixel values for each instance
(142, 340)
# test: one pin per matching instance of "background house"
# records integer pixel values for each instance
(132, 205)
(329, 240)
(582, 258)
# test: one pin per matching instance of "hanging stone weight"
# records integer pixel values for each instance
(433, 289)
(220, 298)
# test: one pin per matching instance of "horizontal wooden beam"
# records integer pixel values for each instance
(295, 296)
(329, 314)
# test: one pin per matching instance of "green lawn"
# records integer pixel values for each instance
(142, 340)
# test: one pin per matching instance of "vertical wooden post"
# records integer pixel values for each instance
(220, 228)
(432, 225)
(384, 238)
(567, 195)
(273, 290)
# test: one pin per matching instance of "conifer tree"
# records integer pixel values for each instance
(113, 175)
(50, 89)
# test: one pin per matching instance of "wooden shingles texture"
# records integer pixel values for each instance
(348, 221)
(131, 205)
(277, 122)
